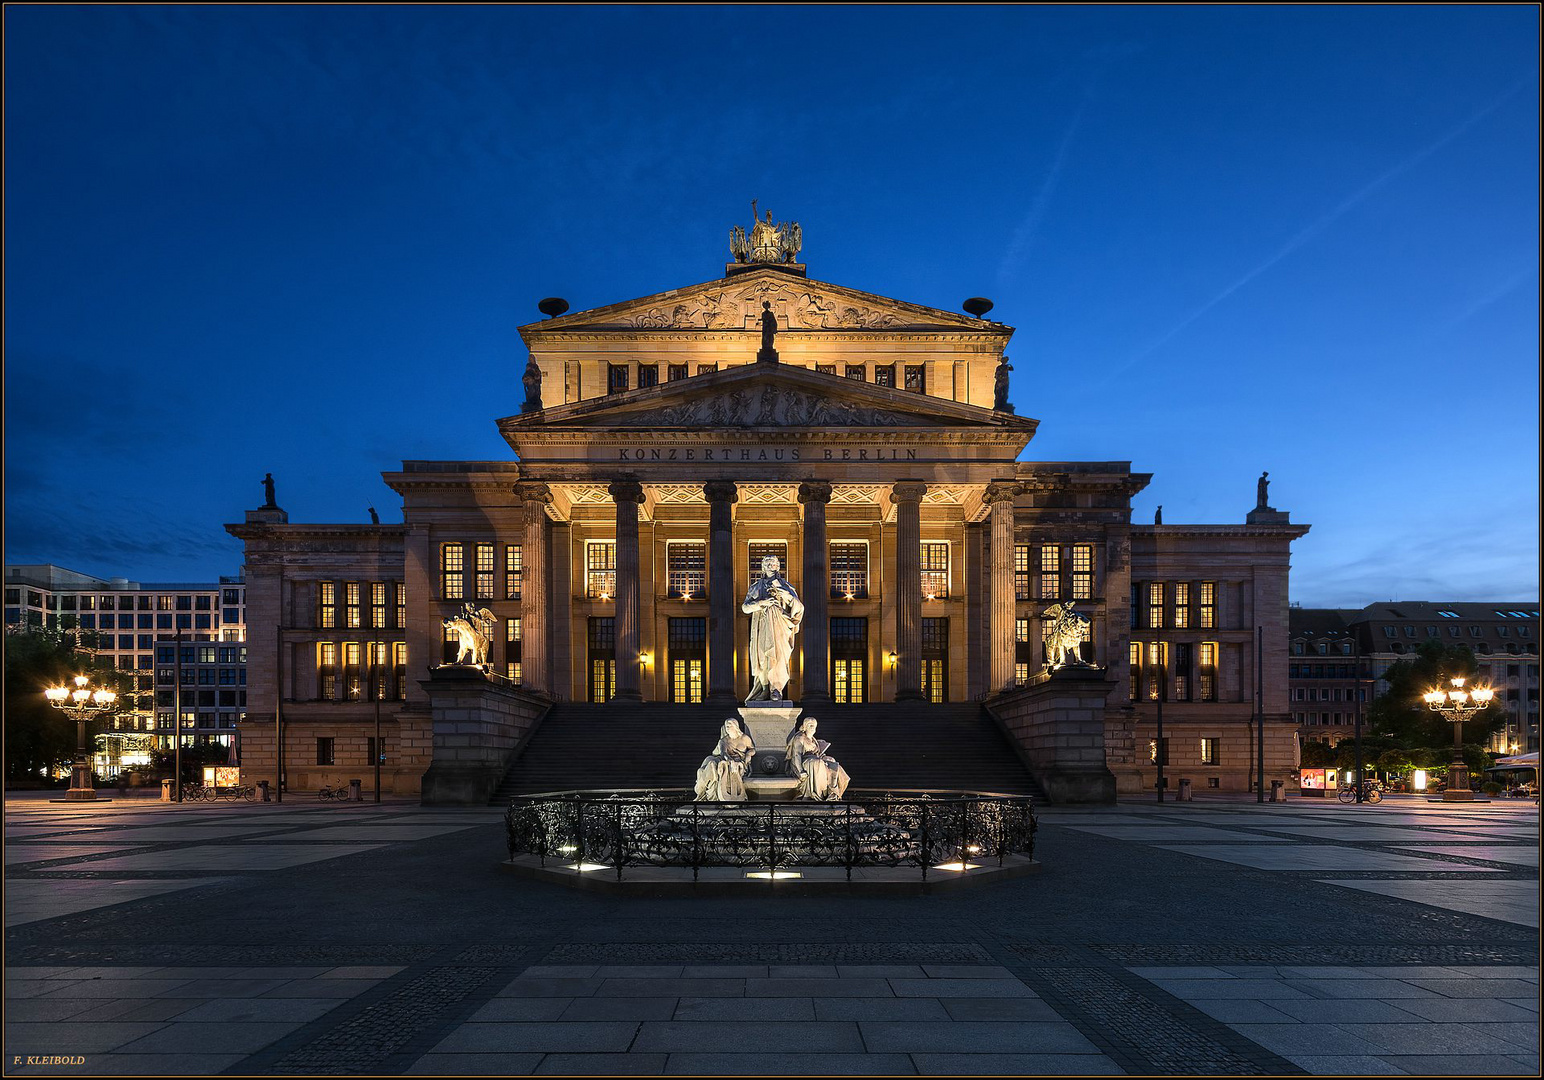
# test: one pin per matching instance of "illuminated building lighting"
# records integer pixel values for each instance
(569, 849)
(958, 867)
(773, 875)
(973, 849)
(1419, 780)
(585, 867)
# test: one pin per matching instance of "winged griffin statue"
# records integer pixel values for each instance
(474, 629)
(767, 242)
(1065, 631)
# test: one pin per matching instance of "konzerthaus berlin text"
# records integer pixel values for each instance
(660, 449)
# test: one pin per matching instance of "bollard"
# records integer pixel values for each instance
(1184, 790)
(354, 794)
(1278, 791)
(166, 790)
(262, 785)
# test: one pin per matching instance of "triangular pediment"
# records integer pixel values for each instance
(761, 396)
(734, 303)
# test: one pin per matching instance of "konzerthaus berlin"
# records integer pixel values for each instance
(660, 449)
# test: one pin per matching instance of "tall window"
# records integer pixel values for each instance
(648, 375)
(399, 670)
(351, 604)
(616, 378)
(935, 659)
(513, 564)
(916, 380)
(935, 569)
(707, 369)
(1181, 605)
(378, 604)
(1183, 659)
(323, 751)
(884, 375)
(1208, 605)
(687, 644)
(603, 658)
(401, 605)
(1021, 572)
(353, 674)
(857, 371)
(452, 572)
(675, 371)
(826, 369)
(1156, 670)
(1082, 571)
(849, 570)
(327, 604)
(1023, 651)
(849, 660)
(512, 666)
(1050, 572)
(326, 670)
(1134, 662)
(1208, 751)
(686, 573)
(379, 682)
(1155, 605)
(600, 570)
(485, 571)
(1206, 674)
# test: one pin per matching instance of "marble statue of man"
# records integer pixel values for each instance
(720, 777)
(775, 611)
(820, 776)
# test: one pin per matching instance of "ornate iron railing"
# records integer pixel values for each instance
(612, 830)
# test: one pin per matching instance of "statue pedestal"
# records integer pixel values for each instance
(1057, 723)
(478, 724)
(768, 724)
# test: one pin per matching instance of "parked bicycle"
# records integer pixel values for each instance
(328, 793)
(1372, 792)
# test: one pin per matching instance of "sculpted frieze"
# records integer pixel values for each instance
(772, 406)
(730, 308)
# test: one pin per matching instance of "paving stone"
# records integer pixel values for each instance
(972, 988)
(672, 988)
(518, 1009)
(877, 1008)
(524, 987)
(1531, 1004)
(1345, 1065)
(966, 971)
(1477, 988)
(1498, 971)
(880, 971)
(724, 971)
(222, 988)
(223, 1038)
(25, 1010)
(750, 1037)
(1360, 989)
(1467, 1010)
(241, 1010)
(1430, 1038)
(1343, 1011)
(1244, 1011)
(474, 1065)
(623, 1008)
(544, 1038)
(603, 1064)
(1007, 1008)
(138, 1010)
(832, 987)
(1016, 1065)
(317, 988)
(1287, 1039)
(560, 971)
(1460, 1064)
(1200, 971)
(801, 971)
(788, 1064)
(1238, 989)
(638, 971)
(144, 1065)
(759, 1008)
(966, 1037)
(43, 1038)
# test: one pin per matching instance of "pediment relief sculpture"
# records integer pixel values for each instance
(771, 406)
(738, 307)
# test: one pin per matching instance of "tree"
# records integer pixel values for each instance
(1401, 715)
(1317, 755)
(38, 736)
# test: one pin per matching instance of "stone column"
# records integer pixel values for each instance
(627, 494)
(1000, 613)
(813, 495)
(721, 496)
(535, 603)
(907, 496)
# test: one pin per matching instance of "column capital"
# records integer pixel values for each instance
(904, 491)
(721, 491)
(626, 491)
(814, 491)
(533, 491)
(1000, 491)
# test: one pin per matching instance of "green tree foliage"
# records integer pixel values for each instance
(1318, 755)
(1402, 717)
(37, 735)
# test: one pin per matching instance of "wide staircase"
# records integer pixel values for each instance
(654, 745)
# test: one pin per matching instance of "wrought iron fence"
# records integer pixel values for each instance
(613, 830)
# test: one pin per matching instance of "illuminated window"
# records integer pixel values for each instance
(849, 570)
(513, 564)
(327, 604)
(686, 569)
(935, 660)
(1206, 675)
(1023, 650)
(1183, 659)
(1181, 605)
(351, 604)
(512, 649)
(935, 570)
(761, 549)
(916, 378)
(1155, 671)
(378, 604)
(401, 605)
(602, 655)
(353, 676)
(1021, 571)
(485, 571)
(1050, 572)
(600, 570)
(326, 670)
(1209, 751)
(1082, 571)
(884, 375)
(452, 572)
(1020, 673)
(849, 664)
(1155, 605)
(379, 681)
(687, 649)
(399, 670)
(1208, 605)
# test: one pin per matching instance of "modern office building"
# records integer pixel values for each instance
(660, 456)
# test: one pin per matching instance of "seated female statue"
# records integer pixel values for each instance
(719, 776)
(820, 776)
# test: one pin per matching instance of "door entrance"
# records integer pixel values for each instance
(603, 659)
(849, 660)
(688, 653)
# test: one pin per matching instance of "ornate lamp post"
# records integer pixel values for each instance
(1457, 705)
(82, 704)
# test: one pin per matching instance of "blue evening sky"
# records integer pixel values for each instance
(299, 239)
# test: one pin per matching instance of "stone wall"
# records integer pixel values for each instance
(477, 726)
(405, 735)
(1057, 722)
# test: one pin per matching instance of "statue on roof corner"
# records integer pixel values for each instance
(1261, 487)
(1001, 403)
(532, 381)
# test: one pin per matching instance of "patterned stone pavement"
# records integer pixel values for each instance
(1218, 937)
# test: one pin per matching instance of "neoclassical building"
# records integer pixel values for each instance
(660, 448)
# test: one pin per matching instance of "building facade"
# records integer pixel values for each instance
(1328, 645)
(660, 456)
(133, 626)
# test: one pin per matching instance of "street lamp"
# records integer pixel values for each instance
(81, 704)
(1457, 705)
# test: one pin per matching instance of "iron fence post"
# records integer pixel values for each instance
(696, 844)
(619, 842)
(924, 850)
(579, 858)
(849, 841)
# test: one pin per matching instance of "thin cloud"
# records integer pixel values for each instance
(1313, 230)
(1501, 290)
(1023, 236)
